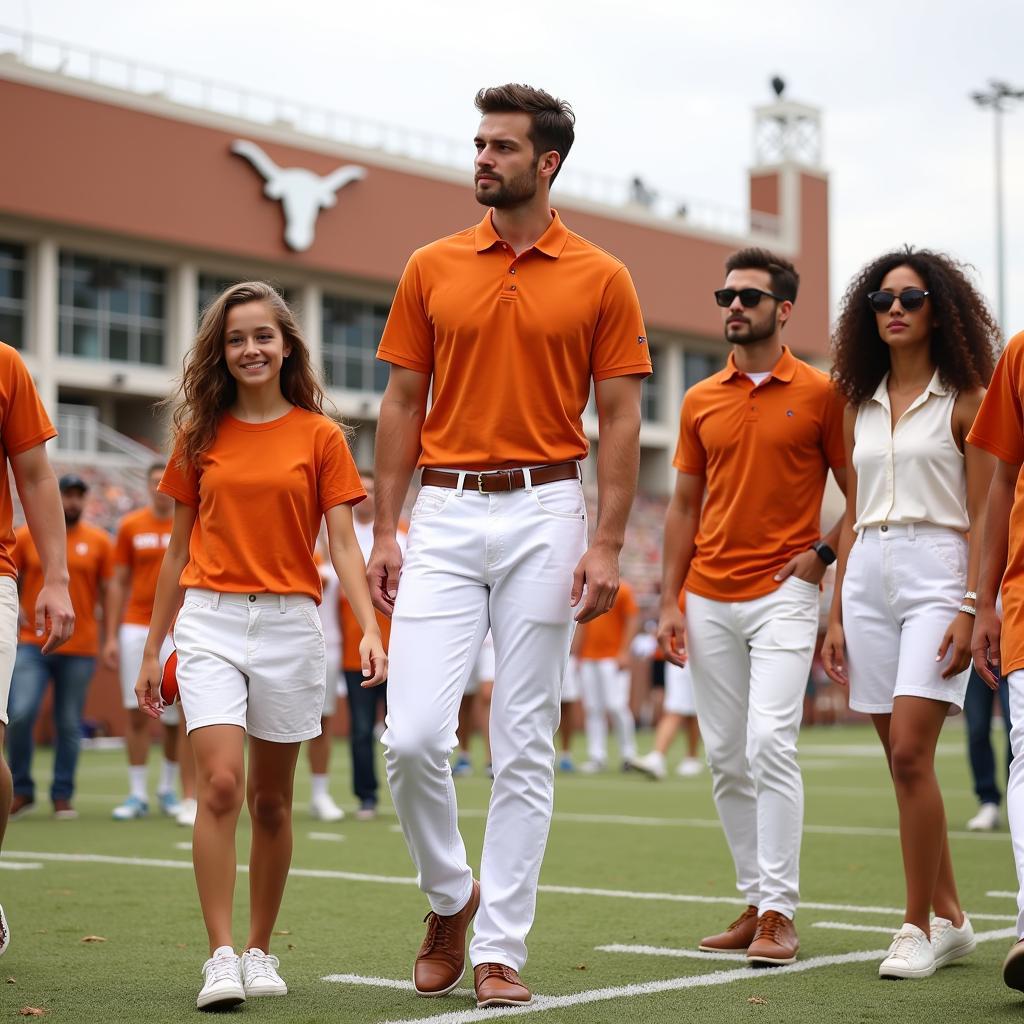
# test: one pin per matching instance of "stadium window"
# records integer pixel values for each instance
(352, 331)
(649, 404)
(112, 309)
(698, 365)
(211, 285)
(12, 294)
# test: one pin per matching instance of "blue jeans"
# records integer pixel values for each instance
(71, 675)
(362, 708)
(978, 709)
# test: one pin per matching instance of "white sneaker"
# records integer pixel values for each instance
(323, 808)
(592, 767)
(910, 955)
(5, 933)
(187, 811)
(132, 808)
(986, 820)
(259, 974)
(690, 766)
(651, 765)
(222, 985)
(949, 943)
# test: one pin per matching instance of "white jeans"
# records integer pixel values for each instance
(750, 662)
(1015, 786)
(605, 689)
(475, 561)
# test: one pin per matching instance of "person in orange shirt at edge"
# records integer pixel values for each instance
(508, 323)
(756, 442)
(603, 651)
(24, 430)
(998, 640)
(90, 560)
(142, 539)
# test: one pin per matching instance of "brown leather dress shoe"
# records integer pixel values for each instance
(735, 938)
(1013, 966)
(775, 942)
(441, 961)
(498, 985)
(20, 806)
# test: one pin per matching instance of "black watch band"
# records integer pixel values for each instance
(824, 552)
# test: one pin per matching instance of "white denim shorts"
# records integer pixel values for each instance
(252, 660)
(903, 587)
(679, 690)
(131, 640)
(333, 675)
(8, 639)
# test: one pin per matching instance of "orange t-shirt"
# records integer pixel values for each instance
(764, 453)
(23, 425)
(999, 430)
(142, 539)
(90, 562)
(262, 490)
(512, 343)
(604, 636)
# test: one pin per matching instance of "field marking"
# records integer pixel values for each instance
(13, 865)
(186, 846)
(686, 954)
(407, 986)
(839, 926)
(1001, 894)
(327, 837)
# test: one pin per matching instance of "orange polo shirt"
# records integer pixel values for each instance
(999, 430)
(142, 539)
(512, 343)
(604, 636)
(764, 453)
(90, 562)
(23, 425)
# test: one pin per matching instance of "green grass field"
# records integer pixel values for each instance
(632, 864)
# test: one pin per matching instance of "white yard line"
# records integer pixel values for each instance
(327, 837)
(405, 986)
(13, 865)
(683, 954)
(840, 926)
(1001, 894)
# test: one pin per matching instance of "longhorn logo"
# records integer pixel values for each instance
(302, 193)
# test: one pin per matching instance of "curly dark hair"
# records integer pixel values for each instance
(963, 345)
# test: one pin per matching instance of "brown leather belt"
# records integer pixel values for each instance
(501, 479)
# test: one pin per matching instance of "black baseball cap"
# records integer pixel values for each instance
(72, 482)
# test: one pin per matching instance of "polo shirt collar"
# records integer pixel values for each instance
(935, 387)
(551, 243)
(782, 371)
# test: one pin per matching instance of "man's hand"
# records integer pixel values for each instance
(806, 566)
(985, 645)
(54, 606)
(672, 635)
(382, 572)
(111, 654)
(598, 571)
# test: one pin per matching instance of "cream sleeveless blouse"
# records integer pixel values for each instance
(915, 472)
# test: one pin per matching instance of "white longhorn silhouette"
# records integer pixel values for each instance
(303, 194)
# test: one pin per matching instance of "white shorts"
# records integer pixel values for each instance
(571, 689)
(8, 639)
(131, 640)
(902, 589)
(333, 674)
(252, 660)
(678, 690)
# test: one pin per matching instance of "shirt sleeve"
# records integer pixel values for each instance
(25, 423)
(620, 346)
(832, 428)
(690, 455)
(180, 482)
(408, 338)
(338, 480)
(999, 426)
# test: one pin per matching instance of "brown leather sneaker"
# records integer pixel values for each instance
(63, 811)
(20, 806)
(1013, 966)
(441, 961)
(775, 942)
(498, 985)
(735, 938)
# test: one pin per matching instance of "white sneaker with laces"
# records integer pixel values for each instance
(910, 955)
(222, 985)
(652, 765)
(690, 766)
(5, 933)
(949, 943)
(323, 808)
(592, 767)
(187, 811)
(259, 974)
(986, 820)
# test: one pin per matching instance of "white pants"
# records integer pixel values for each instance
(475, 561)
(8, 640)
(605, 689)
(750, 662)
(131, 641)
(1015, 786)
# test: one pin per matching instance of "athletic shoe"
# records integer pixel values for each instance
(775, 942)
(187, 811)
(5, 933)
(986, 820)
(1013, 966)
(462, 766)
(910, 955)
(566, 763)
(259, 974)
(736, 938)
(689, 766)
(63, 811)
(222, 981)
(132, 808)
(169, 803)
(592, 767)
(367, 810)
(20, 806)
(323, 808)
(652, 765)
(949, 943)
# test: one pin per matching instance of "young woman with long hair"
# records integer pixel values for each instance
(913, 353)
(256, 466)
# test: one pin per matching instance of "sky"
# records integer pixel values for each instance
(663, 90)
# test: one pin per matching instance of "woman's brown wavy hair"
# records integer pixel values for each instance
(963, 343)
(207, 389)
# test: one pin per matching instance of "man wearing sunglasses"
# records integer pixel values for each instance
(756, 442)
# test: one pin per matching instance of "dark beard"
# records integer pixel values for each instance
(510, 193)
(71, 518)
(755, 333)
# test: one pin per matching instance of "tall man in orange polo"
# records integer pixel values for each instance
(756, 442)
(508, 323)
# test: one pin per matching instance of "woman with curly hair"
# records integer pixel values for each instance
(914, 351)
(257, 466)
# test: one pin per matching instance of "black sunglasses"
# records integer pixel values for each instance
(749, 297)
(910, 299)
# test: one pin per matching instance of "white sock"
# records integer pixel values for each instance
(168, 775)
(319, 783)
(137, 781)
